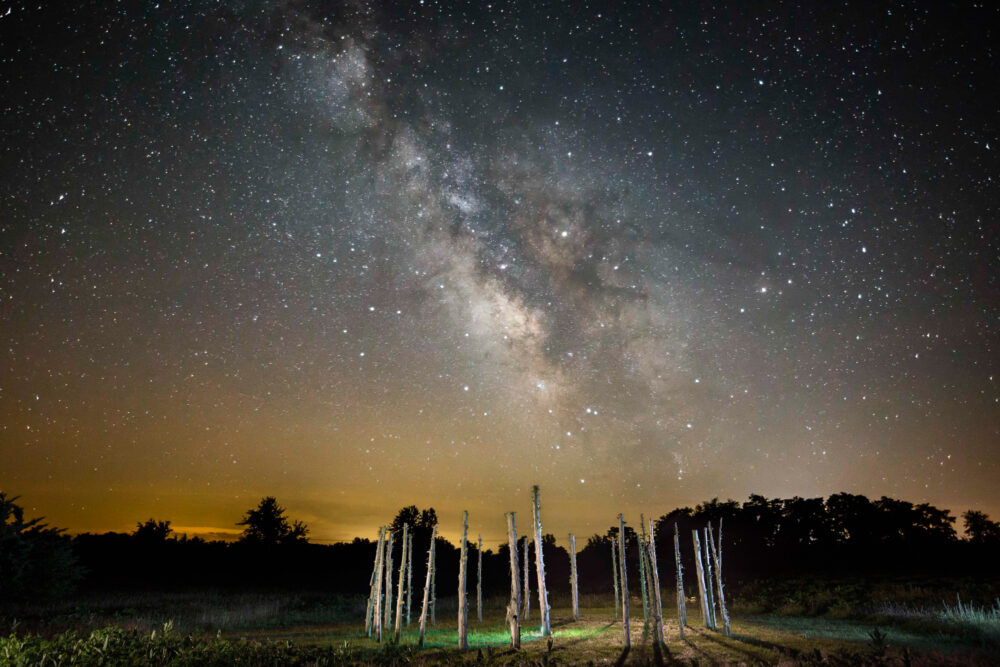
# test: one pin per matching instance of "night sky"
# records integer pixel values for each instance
(365, 255)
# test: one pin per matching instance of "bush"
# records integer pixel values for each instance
(35, 560)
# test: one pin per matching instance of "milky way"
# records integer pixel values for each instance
(361, 256)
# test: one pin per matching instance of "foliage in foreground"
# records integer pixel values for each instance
(115, 646)
(981, 622)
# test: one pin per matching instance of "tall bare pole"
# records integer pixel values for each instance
(377, 617)
(514, 606)
(371, 585)
(463, 602)
(388, 580)
(479, 582)
(409, 577)
(401, 597)
(716, 550)
(709, 583)
(657, 601)
(573, 583)
(623, 578)
(614, 570)
(700, 572)
(543, 596)
(434, 591)
(428, 585)
(643, 579)
(526, 598)
(681, 602)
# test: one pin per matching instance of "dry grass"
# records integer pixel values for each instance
(596, 639)
(336, 626)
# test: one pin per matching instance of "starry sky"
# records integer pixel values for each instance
(365, 255)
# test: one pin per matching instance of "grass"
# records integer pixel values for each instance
(187, 611)
(977, 623)
(284, 628)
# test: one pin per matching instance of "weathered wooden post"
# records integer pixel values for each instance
(514, 606)
(623, 578)
(709, 582)
(400, 588)
(375, 572)
(388, 580)
(681, 601)
(543, 595)
(377, 617)
(463, 602)
(614, 570)
(700, 571)
(479, 582)
(409, 577)
(434, 590)
(573, 583)
(428, 585)
(526, 598)
(657, 601)
(717, 557)
(643, 579)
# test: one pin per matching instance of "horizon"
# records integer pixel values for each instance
(491, 540)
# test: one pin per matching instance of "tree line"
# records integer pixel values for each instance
(844, 533)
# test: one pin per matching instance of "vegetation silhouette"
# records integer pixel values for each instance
(844, 534)
(35, 559)
(267, 525)
(980, 529)
(152, 531)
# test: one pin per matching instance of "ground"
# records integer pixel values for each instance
(283, 628)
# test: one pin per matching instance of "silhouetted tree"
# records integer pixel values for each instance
(853, 518)
(903, 522)
(803, 523)
(408, 515)
(763, 516)
(266, 524)
(152, 531)
(980, 529)
(35, 559)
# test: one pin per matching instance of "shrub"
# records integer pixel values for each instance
(35, 560)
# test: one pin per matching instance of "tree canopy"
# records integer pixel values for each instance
(267, 524)
(152, 531)
(35, 559)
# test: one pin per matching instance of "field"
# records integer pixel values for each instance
(308, 628)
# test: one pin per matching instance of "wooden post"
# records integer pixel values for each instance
(657, 602)
(614, 570)
(428, 586)
(409, 577)
(479, 581)
(388, 580)
(434, 590)
(401, 598)
(717, 558)
(514, 606)
(643, 579)
(377, 617)
(681, 601)
(371, 585)
(463, 602)
(543, 596)
(700, 572)
(526, 597)
(623, 578)
(573, 583)
(709, 583)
